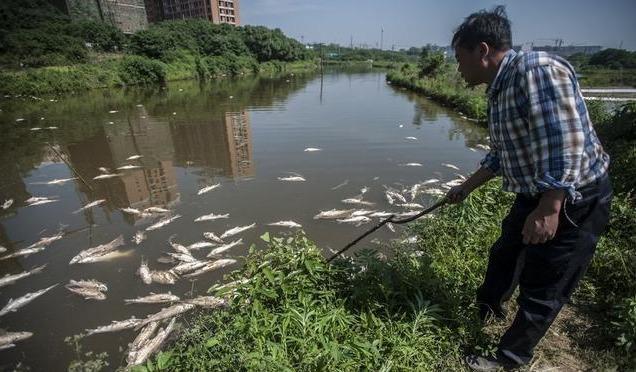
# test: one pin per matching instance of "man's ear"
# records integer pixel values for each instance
(484, 49)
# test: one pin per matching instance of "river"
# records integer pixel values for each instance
(242, 134)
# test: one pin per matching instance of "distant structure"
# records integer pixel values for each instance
(127, 15)
(216, 11)
(568, 50)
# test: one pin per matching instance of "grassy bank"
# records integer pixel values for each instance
(446, 87)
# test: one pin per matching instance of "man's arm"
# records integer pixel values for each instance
(459, 193)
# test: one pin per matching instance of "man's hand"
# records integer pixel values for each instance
(457, 194)
(542, 223)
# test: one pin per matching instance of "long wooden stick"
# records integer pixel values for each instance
(389, 219)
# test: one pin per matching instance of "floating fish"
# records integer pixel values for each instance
(100, 250)
(89, 289)
(359, 220)
(434, 191)
(144, 272)
(380, 214)
(138, 237)
(208, 188)
(236, 230)
(411, 206)
(186, 267)
(59, 181)
(483, 147)
(212, 236)
(217, 251)
(414, 189)
(14, 305)
(165, 313)
(164, 277)
(212, 266)
(115, 326)
(19, 120)
(113, 111)
(154, 298)
(10, 279)
(182, 257)
(451, 166)
(361, 212)
(151, 346)
(43, 242)
(7, 339)
(156, 210)
(38, 200)
(411, 165)
(210, 302)
(312, 149)
(390, 226)
(178, 247)
(142, 339)
(103, 170)
(333, 214)
(455, 182)
(429, 181)
(199, 245)
(396, 195)
(130, 210)
(107, 176)
(2, 249)
(91, 205)
(22, 253)
(344, 183)
(211, 217)
(292, 179)
(134, 157)
(410, 240)
(129, 167)
(285, 224)
(410, 138)
(364, 190)
(358, 201)
(7, 203)
(163, 222)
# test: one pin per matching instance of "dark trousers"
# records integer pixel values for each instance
(547, 273)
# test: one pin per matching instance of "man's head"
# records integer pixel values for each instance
(480, 43)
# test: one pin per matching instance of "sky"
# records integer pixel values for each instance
(406, 23)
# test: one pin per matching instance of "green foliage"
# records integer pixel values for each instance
(267, 45)
(613, 58)
(102, 36)
(43, 47)
(430, 63)
(334, 52)
(215, 66)
(140, 70)
(625, 327)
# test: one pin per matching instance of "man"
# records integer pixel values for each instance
(546, 151)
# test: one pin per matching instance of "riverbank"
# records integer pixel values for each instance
(135, 70)
(413, 310)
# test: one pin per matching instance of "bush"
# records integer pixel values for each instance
(102, 36)
(140, 70)
(44, 47)
(625, 327)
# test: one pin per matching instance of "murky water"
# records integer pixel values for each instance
(243, 134)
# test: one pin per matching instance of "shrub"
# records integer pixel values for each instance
(140, 70)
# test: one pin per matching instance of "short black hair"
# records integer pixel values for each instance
(491, 27)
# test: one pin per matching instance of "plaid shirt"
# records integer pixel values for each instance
(541, 137)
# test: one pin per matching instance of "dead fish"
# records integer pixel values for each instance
(359, 220)
(451, 166)
(92, 283)
(364, 190)
(138, 237)
(380, 214)
(212, 266)
(97, 251)
(411, 165)
(129, 167)
(333, 214)
(178, 247)
(344, 183)
(361, 212)
(410, 240)
(2, 249)
(47, 240)
(236, 230)
(208, 188)
(142, 338)
(19, 120)
(483, 147)
(144, 272)
(107, 175)
(389, 198)
(358, 201)
(103, 170)
(89, 293)
(57, 181)
(292, 179)
(109, 256)
(7, 339)
(312, 149)
(434, 192)
(396, 195)
(141, 355)
(166, 260)
(429, 181)
(212, 236)
(14, 305)
(164, 277)
(410, 138)
(113, 111)
(414, 189)
(23, 253)
(289, 224)
(165, 313)
(154, 298)
(235, 283)
(411, 206)
(38, 200)
(157, 210)
(210, 302)
(10, 279)
(163, 222)
(131, 210)
(182, 257)
(186, 267)
(225, 247)
(91, 205)
(134, 157)
(211, 217)
(390, 226)
(199, 245)
(455, 182)
(407, 214)
(115, 326)
(7, 203)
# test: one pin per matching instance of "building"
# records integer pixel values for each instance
(216, 11)
(568, 50)
(127, 15)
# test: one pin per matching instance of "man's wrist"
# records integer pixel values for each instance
(551, 201)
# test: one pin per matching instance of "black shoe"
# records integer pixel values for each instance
(477, 363)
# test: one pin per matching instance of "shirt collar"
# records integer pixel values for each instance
(496, 83)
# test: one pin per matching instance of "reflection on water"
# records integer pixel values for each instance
(185, 137)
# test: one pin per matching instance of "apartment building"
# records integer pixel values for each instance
(216, 11)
